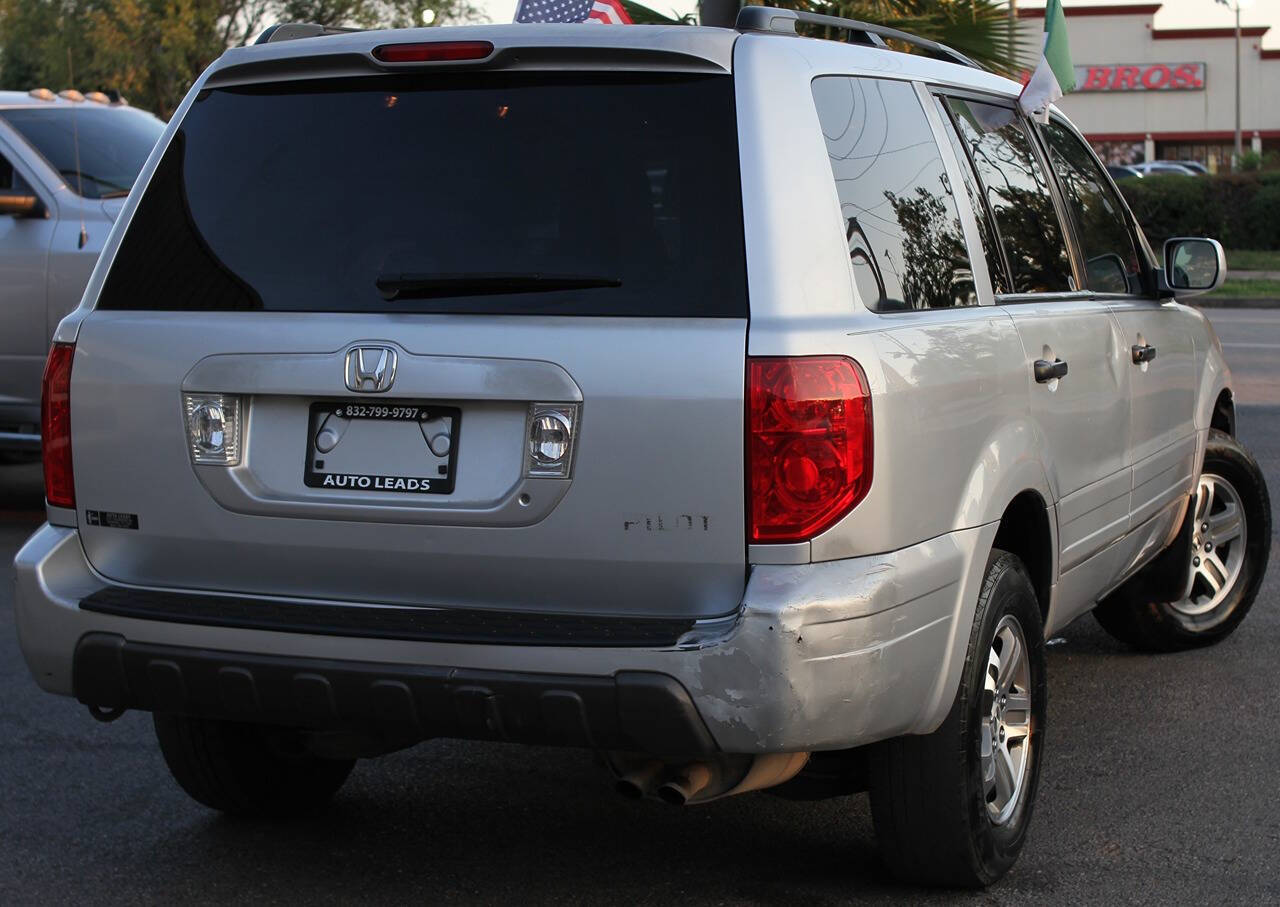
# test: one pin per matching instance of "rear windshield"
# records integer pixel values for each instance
(563, 194)
(98, 151)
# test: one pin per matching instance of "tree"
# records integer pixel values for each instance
(152, 50)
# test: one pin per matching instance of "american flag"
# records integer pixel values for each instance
(602, 12)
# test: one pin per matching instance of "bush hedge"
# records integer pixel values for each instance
(1241, 210)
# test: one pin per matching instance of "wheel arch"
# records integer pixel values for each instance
(1026, 530)
(1223, 417)
(1025, 527)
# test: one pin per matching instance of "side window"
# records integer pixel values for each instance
(1017, 192)
(905, 240)
(10, 180)
(990, 244)
(1112, 264)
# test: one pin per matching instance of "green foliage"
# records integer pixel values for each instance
(1236, 209)
(980, 29)
(152, 50)
(374, 13)
(644, 15)
(1247, 289)
(1253, 259)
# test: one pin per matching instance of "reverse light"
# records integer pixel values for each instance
(550, 448)
(213, 428)
(433, 51)
(55, 426)
(809, 450)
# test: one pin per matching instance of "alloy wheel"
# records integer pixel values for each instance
(1218, 542)
(1006, 726)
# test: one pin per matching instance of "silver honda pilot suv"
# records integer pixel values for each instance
(743, 406)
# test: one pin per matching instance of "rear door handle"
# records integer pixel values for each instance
(1046, 371)
(1143, 353)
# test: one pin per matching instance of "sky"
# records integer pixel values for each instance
(1174, 13)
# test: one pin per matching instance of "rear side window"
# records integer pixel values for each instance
(905, 240)
(1018, 195)
(1112, 264)
(986, 232)
(98, 151)
(501, 193)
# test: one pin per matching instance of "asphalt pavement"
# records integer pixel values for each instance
(1161, 785)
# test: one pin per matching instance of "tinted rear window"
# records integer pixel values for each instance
(97, 151)
(302, 196)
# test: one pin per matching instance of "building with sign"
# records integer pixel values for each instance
(1148, 93)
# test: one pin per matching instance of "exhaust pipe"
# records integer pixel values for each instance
(701, 782)
(637, 783)
(691, 780)
(105, 714)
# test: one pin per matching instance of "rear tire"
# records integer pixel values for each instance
(942, 814)
(1231, 513)
(247, 769)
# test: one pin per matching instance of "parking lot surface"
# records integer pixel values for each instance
(1161, 785)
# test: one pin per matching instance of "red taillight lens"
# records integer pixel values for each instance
(55, 426)
(433, 51)
(808, 444)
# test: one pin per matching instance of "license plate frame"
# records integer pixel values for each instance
(428, 481)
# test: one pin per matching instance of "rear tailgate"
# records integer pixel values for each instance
(509, 240)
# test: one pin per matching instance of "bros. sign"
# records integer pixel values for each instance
(1141, 77)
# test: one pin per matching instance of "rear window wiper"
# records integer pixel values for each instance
(427, 286)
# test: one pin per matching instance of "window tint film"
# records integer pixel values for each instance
(1018, 194)
(905, 240)
(990, 245)
(500, 193)
(1112, 264)
(97, 150)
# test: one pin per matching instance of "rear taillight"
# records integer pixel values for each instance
(808, 444)
(433, 51)
(55, 426)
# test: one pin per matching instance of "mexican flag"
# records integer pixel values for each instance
(1054, 75)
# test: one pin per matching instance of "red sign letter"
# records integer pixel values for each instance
(1156, 77)
(1097, 78)
(1125, 79)
(1187, 76)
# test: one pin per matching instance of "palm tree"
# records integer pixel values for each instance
(982, 30)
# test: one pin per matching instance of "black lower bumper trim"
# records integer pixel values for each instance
(420, 624)
(636, 711)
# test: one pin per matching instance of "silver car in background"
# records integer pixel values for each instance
(67, 162)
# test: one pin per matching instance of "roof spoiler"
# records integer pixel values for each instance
(767, 18)
(289, 31)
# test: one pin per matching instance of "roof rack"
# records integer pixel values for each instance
(767, 18)
(288, 31)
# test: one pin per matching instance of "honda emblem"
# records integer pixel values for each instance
(370, 369)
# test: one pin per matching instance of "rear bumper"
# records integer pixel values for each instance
(820, 656)
(396, 703)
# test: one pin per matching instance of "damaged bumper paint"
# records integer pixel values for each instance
(819, 656)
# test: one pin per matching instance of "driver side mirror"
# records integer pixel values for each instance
(20, 204)
(1193, 266)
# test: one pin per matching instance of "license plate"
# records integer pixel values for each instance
(392, 446)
